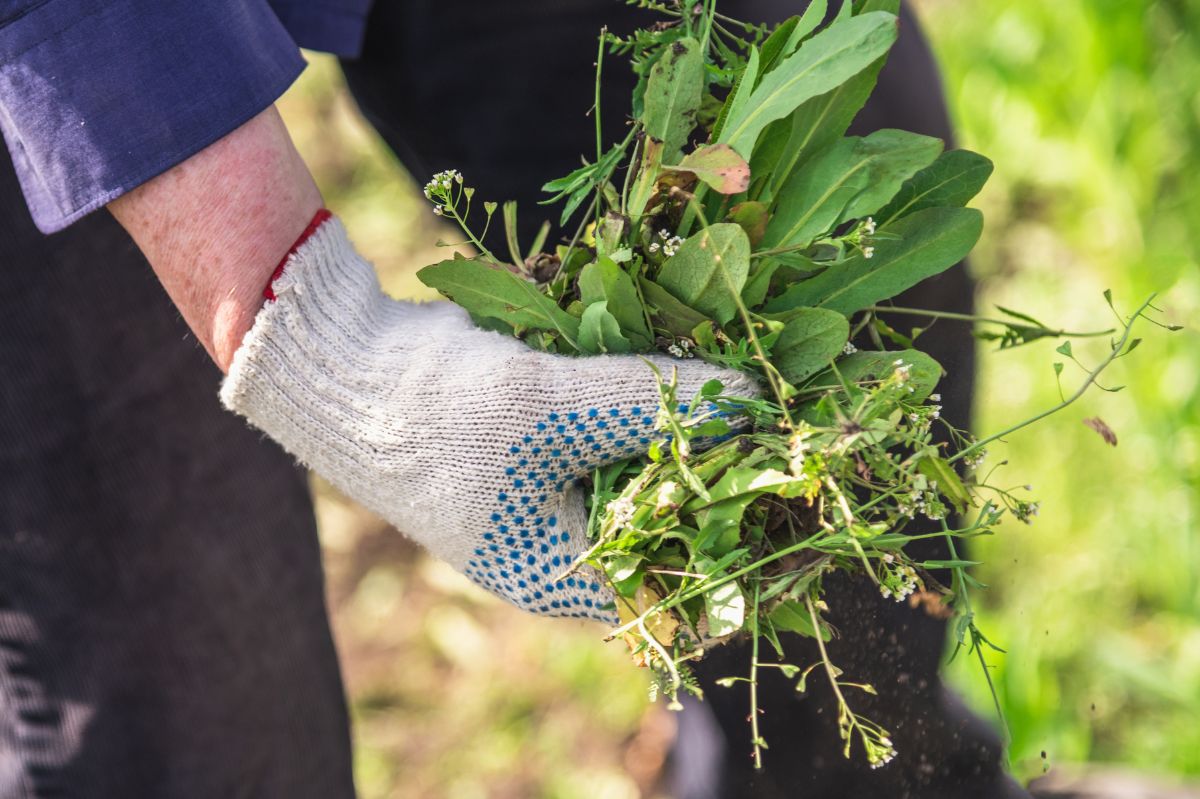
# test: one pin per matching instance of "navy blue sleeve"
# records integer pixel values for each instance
(99, 96)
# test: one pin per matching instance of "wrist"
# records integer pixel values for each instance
(215, 226)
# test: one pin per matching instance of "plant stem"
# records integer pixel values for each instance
(962, 317)
(670, 602)
(1091, 378)
(754, 735)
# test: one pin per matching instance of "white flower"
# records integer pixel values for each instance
(676, 350)
(868, 252)
(437, 209)
(849, 349)
(868, 227)
(935, 397)
(622, 510)
(654, 247)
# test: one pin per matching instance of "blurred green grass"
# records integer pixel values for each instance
(1091, 111)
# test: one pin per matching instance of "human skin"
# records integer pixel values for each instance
(215, 227)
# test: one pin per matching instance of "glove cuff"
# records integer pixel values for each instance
(321, 216)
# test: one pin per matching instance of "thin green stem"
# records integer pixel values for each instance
(991, 320)
(754, 734)
(1091, 378)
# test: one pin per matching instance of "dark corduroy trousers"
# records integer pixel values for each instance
(163, 632)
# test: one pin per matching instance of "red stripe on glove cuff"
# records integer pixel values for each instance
(317, 220)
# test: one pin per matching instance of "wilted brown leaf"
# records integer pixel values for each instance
(1106, 432)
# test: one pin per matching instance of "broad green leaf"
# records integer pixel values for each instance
(867, 366)
(673, 96)
(948, 483)
(677, 318)
(709, 270)
(822, 63)
(599, 331)
(848, 180)
(917, 246)
(793, 616)
(813, 199)
(895, 156)
(816, 124)
(496, 293)
(952, 180)
(719, 166)
(604, 281)
(811, 339)
(725, 608)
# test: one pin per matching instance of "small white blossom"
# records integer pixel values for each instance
(849, 349)
(868, 252)
(622, 510)
(935, 397)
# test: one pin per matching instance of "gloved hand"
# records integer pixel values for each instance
(466, 440)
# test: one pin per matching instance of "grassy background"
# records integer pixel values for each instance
(1091, 111)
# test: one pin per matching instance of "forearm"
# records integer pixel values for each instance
(215, 226)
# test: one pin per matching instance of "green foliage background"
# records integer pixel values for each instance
(1091, 111)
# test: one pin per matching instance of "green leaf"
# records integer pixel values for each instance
(948, 483)
(759, 282)
(739, 96)
(810, 340)
(604, 281)
(625, 573)
(599, 331)
(577, 186)
(673, 96)
(918, 246)
(949, 564)
(776, 46)
(721, 525)
(952, 180)
(752, 217)
(867, 366)
(822, 63)
(677, 318)
(789, 143)
(813, 16)
(647, 178)
(709, 270)
(848, 180)
(719, 166)
(496, 293)
(895, 156)
(725, 607)
(793, 616)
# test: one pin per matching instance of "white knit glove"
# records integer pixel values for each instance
(466, 440)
